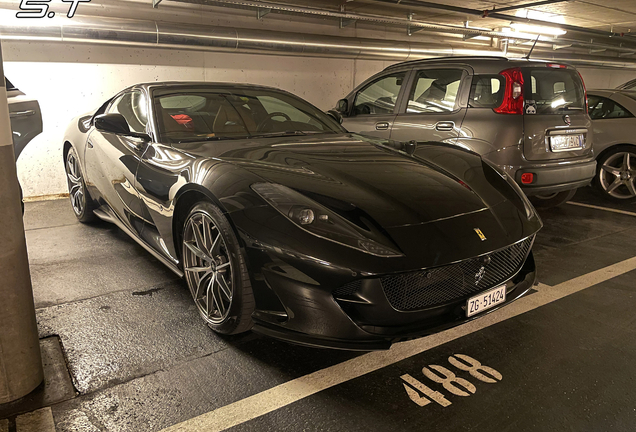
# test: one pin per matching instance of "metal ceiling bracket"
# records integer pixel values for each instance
(155, 3)
(597, 50)
(260, 12)
(558, 47)
(410, 30)
(625, 54)
(344, 22)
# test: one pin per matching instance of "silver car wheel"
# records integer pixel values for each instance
(617, 175)
(208, 268)
(75, 183)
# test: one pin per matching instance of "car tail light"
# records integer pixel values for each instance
(527, 178)
(584, 92)
(513, 93)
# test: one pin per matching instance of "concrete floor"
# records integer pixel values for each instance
(141, 359)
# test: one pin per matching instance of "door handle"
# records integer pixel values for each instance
(382, 126)
(445, 126)
(22, 113)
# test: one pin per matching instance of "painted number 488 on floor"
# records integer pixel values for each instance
(423, 395)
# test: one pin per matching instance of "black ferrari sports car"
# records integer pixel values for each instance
(284, 223)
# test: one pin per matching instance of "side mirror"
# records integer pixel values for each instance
(343, 106)
(117, 124)
(336, 115)
(113, 123)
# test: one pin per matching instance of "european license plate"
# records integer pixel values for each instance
(485, 300)
(566, 142)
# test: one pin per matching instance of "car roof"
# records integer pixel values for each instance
(186, 84)
(479, 63)
(609, 92)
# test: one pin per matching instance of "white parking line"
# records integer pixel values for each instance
(284, 394)
(602, 208)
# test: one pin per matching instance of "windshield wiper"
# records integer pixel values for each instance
(285, 133)
(209, 138)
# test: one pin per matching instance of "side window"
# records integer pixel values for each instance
(486, 91)
(603, 108)
(379, 97)
(434, 91)
(133, 107)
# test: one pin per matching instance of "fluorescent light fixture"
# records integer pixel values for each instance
(540, 16)
(542, 30)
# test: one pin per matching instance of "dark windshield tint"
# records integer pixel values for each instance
(193, 115)
(554, 90)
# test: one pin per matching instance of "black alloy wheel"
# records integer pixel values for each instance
(215, 270)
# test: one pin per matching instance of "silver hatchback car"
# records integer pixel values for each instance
(527, 117)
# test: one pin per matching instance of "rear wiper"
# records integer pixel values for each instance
(568, 107)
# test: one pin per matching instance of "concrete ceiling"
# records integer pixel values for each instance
(614, 15)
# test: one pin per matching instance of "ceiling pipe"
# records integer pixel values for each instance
(156, 34)
(379, 19)
(411, 24)
(128, 32)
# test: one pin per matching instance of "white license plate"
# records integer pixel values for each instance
(566, 142)
(485, 300)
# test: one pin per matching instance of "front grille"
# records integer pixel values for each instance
(427, 288)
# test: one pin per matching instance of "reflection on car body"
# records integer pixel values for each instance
(283, 222)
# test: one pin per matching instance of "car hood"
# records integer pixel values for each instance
(393, 188)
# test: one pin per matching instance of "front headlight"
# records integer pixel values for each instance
(319, 220)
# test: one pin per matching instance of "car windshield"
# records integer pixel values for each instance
(217, 114)
(555, 90)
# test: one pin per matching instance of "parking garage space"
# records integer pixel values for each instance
(138, 359)
(295, 215)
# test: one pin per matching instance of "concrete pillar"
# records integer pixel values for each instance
(20, 359)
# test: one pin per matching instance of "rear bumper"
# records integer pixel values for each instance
(559, 178)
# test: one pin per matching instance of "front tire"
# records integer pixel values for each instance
(215, 270)
(552, 200)
(81, 201)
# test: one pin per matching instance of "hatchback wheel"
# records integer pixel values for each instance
(215, 270)
(616, 174)
(80, 199)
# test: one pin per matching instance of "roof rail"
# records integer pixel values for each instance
(434, 59)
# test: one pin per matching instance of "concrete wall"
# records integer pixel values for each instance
(605, 78)
(69, 80)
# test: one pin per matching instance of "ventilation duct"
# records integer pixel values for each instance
(142, 33)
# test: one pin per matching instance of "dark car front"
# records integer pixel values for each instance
(351, 242)
(429, 231)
